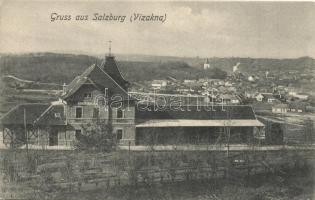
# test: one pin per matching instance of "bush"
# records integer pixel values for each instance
(98, 136)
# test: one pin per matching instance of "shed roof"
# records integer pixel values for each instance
(16, 114)
(35, 113)
(53, 115)
(227, 112)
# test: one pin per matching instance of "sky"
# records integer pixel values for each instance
(204, 29)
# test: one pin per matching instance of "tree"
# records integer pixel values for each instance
(96, 136)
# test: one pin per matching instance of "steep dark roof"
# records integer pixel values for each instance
(16, 115)
(192, 112)
(101, 80)
(111, 68)
(35, 113)
(53, 115)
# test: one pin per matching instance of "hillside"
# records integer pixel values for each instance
(247, 64)
(46, 67)
(62, 68)
(227, 62)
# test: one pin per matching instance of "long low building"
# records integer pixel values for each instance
(100, 94)
(196, 125)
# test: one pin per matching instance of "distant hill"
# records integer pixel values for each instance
(226, 64)
(45, 67)
(62, 68)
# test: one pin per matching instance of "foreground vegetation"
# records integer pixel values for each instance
(156, 175)
(292, 185)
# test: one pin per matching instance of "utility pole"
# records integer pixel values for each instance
(25, 129)
(227, 129)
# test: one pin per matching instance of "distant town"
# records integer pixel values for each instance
(274, 91)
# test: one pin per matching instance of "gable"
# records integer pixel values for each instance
(103, 80)
(100, 79)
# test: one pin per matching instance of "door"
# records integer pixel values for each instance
(53, 138)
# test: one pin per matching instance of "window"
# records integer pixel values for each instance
(78, 112)
(119, 134)
(120, 113)
(87, 95)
